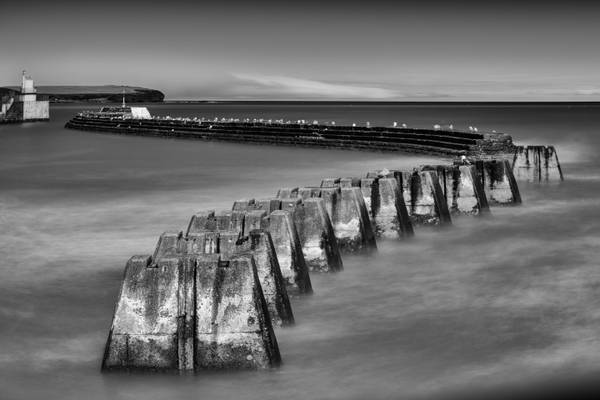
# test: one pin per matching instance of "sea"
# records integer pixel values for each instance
(490, 304)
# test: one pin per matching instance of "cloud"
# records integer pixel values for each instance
(284, 86)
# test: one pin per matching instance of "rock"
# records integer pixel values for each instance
(243, 205)
(536, 164)
(319, 244)
(289, 252)
(391, 216)
(499, 182)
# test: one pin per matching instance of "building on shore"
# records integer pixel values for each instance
(25, 105)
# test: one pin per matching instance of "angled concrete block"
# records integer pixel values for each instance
(319, 245)
(427, 205)
(200, 221)
(202, 243)
(351, 223)
(151, 324)
(499, 182)
(287, 193)
(308, 192)
(468, 193)
(260, 245)
(243, 205)
(255, 219)
(169, 244)
(391, 216)
(350, 182)
(330, 182)
(369, 187)
(269, 205)
(233, 327)
(330, 196)
(536, 164)
(289, 252)
(290, 204)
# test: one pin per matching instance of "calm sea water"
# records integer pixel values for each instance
(489, 303)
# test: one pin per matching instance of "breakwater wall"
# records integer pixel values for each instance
(213, 295)
(433, 141)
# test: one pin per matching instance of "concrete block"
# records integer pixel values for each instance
(243, 205)
(152, 320)
(287, 193)
(319, 244)
(391, 216)
(260, 245)
(330, 182)
(536, 164)
(499, 182)
(200, 222)
(330, 196)
(290, 204)
(351, 223)
(350, 182)
(169, 244)
(233, 327)
(289, 252)
(202, 243)
(468, 194)
(369, 187)
(269, 205)
(308, 192)
(255, 219)
(427, 204)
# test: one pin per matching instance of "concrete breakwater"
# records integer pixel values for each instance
(211, 297)
(435, 141)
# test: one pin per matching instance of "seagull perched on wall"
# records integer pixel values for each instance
(471, 128)
(436, 127)
(404, 126)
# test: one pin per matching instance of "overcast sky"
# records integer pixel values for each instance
(315, 50)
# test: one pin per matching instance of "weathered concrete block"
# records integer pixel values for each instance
(369, 187)
(287, 193)
(536, 164)
(330, 196)
(351, 223)
(153, 317)
(233, 327)
(199, 222)
(391, 216)
(427, 204)
(269, 205)
(290, 204)
(308, 192)
(212, 222)
(229, 241)
(202, 243)
(499, 182)
(255, 219)
(330, 182)
(350, 182)
(243, 205)
(169, 245)
(289, 252)
(260, 245)
(319, 244)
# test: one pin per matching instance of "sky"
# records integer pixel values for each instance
(310, 50)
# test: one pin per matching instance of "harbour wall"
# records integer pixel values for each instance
(432, 141)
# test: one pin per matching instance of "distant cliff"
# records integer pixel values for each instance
(94, 94)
